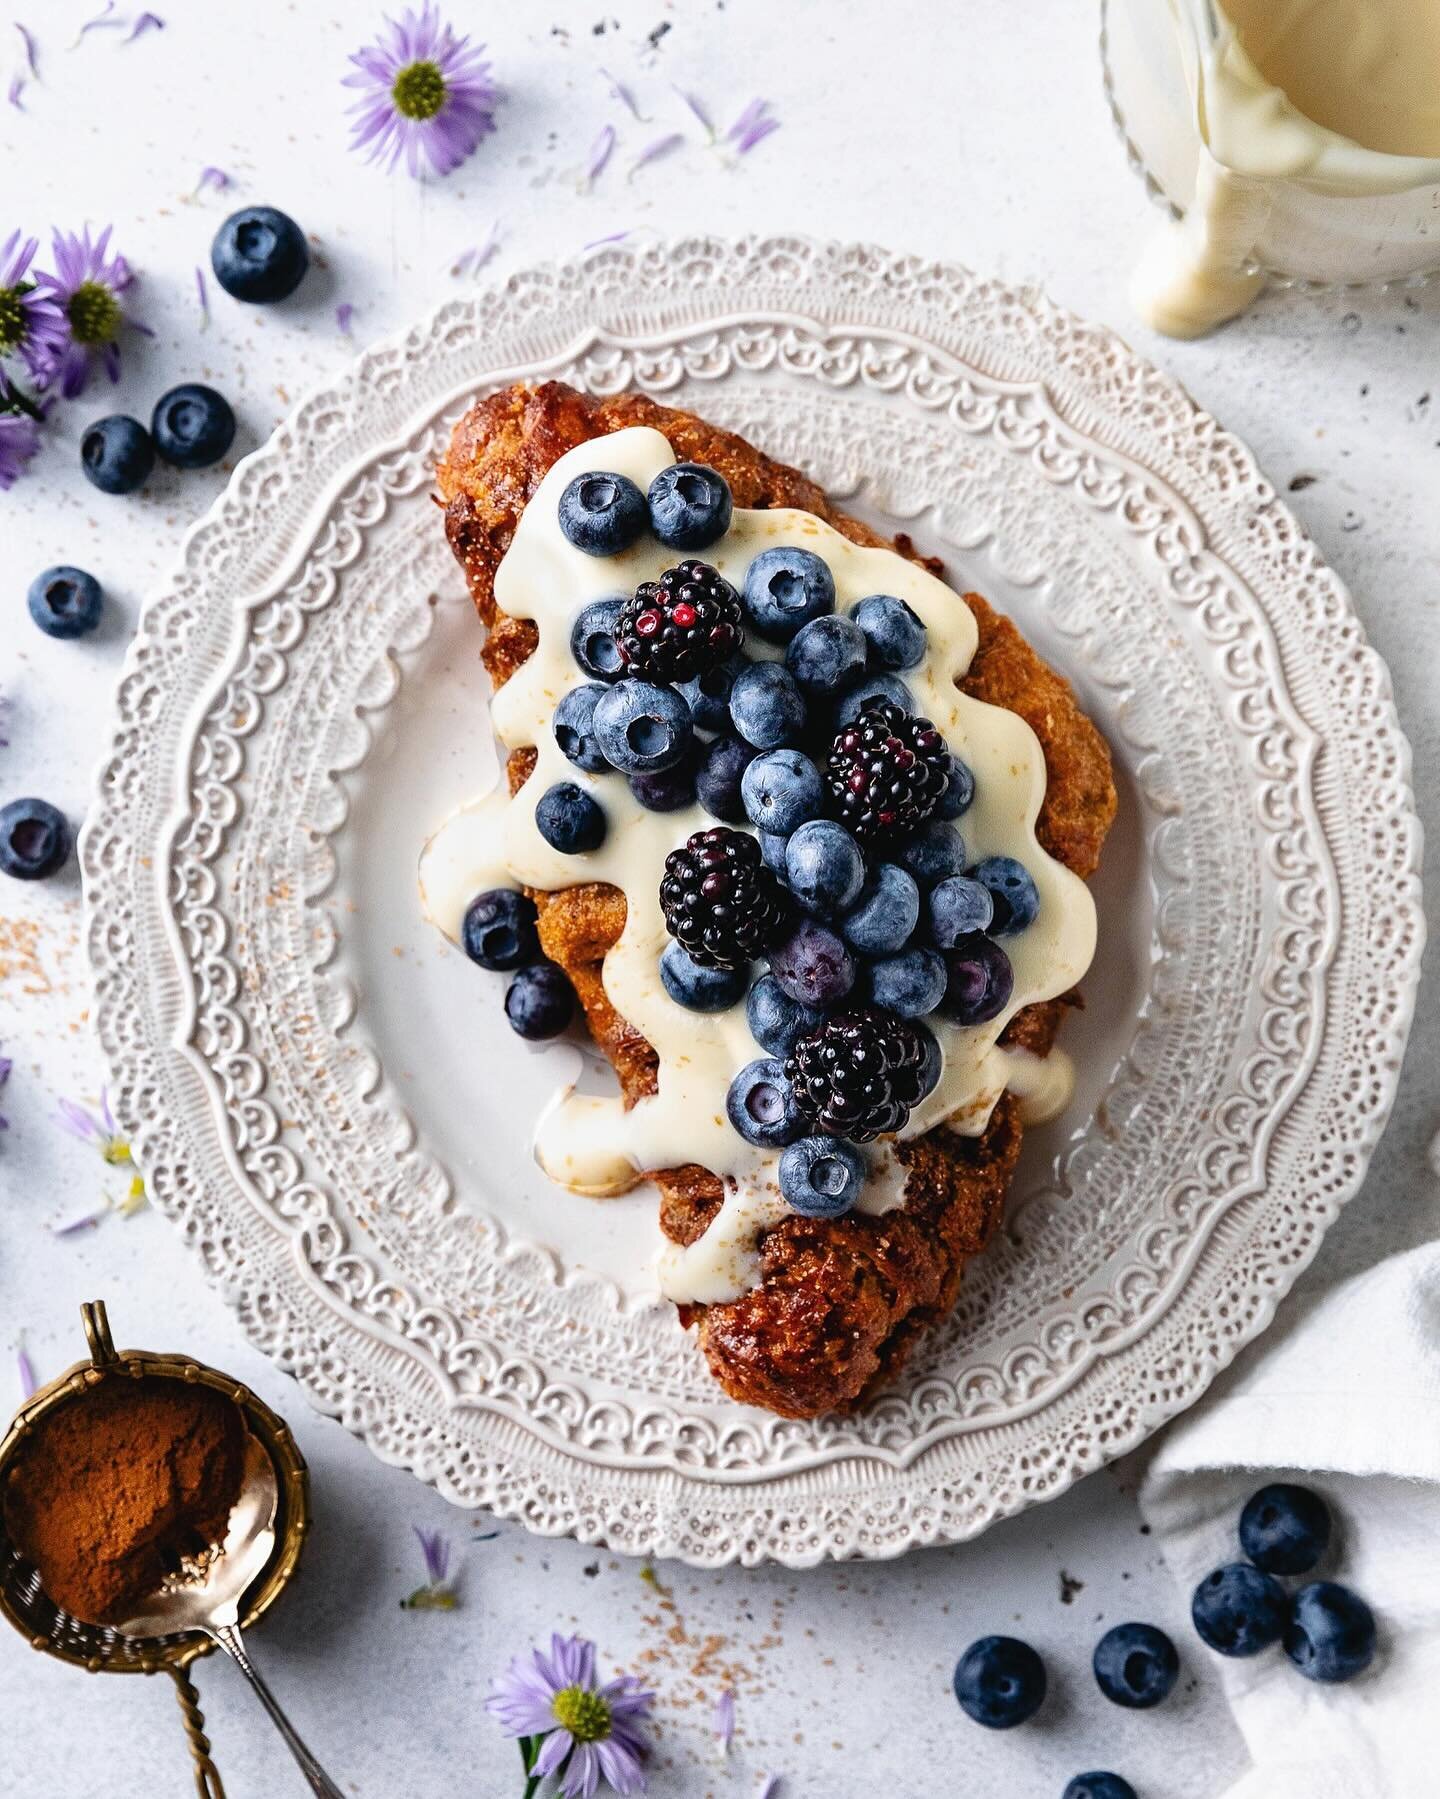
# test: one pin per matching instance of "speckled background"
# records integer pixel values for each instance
(940, 129)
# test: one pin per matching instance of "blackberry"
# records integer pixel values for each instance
(681, 626)
(887, 772)
(859, 1073)
(720, 901)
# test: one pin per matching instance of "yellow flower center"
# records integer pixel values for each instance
(12, 320)
(94, 315)
(419, 91)
(585, 1715)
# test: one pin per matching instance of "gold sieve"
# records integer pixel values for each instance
(272, 1518)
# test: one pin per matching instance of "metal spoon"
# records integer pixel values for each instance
(206, 1596)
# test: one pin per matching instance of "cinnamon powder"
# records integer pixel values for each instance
(113, 1489)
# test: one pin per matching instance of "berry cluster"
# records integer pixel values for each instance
(499, 933)
(853, 885)
(1328, 1632)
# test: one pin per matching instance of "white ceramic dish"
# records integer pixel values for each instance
(327, 1100)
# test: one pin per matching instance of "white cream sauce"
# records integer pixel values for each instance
(594, 1145)
(1342, 96)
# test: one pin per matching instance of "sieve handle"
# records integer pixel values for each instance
(207, 1775)
(228, 1637)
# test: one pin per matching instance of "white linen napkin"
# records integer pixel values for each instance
(1343, 1395)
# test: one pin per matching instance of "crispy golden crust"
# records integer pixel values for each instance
(840, 1301)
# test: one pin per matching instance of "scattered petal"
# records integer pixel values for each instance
(471, 261)
(212, 177)
(344, 315)
(27, 38)
(203, 292)
(26, 1373)
(658, 147)
(600, 153)
(615, 237)
(148, 21)
(81, 1221)
(435, 1547)
(699, 112)
(619, 91)
(16, 88)
(724, 1722)
(103, 21)
(752, 127)
(77, 1121)
(771, 1787)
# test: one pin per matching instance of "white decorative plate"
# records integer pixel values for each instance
(327, 1101)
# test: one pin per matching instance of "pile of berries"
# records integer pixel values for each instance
(1327, 1631)
(835, 858)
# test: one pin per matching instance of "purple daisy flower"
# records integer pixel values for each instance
(19, 440)
(86, 286)
(32, 325)
(424, 93)
(569, 1724)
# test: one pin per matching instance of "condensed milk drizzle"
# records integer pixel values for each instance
(594, 1145)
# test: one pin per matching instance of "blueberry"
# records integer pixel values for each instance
(912, 983)
(602, 513)
(823, 866)
(192, 425)
(641, 727)
(772, 851)
(776, 1021)
(569, 819)
(889, 688)
(1136, 1665)
(1012, 890)
(1000, 1682)
(959, 792)
(1331, 1634)
(933, 1065)
(1098, 1785)
(574, 727)
(65, 601)
(698, 988)
(708, 695)
(34, 839)
(813, 965)
(958, 906)
(1237, 1610)
(887, 911)
(894, 633)
(666, 789)
(785, 589)
(826, 656)
(259, 255)
(933, 854)
(499, 930)
(766, 706)
(719, 778)
(761, 1106)
(540, 1001)
(782, 790)
(979, 983)
(116, 454)
(592, 640)
(690, 506)
(1285, 1529)
(821, 1177)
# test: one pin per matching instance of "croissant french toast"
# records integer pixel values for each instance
(833, 1303)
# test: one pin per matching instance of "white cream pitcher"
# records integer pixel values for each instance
(1293, 140)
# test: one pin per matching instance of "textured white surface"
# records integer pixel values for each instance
(937, 131)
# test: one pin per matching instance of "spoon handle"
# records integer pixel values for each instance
(228, 1637)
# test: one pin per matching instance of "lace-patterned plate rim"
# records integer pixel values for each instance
(1084, 370)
